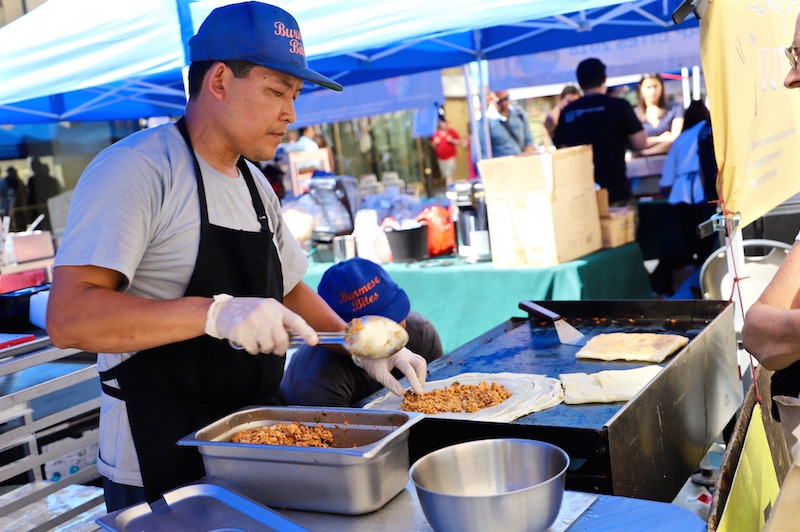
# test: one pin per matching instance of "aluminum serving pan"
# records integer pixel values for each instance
(198, 507)
(366, 467)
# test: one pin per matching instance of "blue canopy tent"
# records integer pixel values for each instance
(83, 60)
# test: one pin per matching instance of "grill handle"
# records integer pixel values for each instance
(533, 309)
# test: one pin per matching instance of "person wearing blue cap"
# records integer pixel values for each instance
(316, 376)
(175, 252)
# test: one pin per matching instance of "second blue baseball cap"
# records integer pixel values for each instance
(359, 287)
(260, 33)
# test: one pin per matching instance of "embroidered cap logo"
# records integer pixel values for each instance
(295, 39)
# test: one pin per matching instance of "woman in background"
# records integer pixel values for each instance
(569, 94)
(662, 123)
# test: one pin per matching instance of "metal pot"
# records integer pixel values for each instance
(498, 484)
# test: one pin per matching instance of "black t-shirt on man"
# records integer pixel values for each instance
(605, 122)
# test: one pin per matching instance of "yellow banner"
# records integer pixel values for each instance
(755, 118)
(755, 483)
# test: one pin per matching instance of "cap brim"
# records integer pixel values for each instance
(303, 73)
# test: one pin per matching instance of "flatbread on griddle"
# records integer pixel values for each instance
(609, 386)
(638, 347)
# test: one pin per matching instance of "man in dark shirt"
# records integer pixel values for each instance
(608, 124)
(358, 287)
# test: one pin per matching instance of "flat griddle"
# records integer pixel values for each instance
(646, 447)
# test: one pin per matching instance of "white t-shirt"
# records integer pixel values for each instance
(135, 210)
(306, 144)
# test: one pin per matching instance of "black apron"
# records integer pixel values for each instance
(172, 390)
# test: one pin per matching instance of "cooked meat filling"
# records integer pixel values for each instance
(293, 434)
(456, 398)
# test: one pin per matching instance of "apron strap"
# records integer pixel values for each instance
(255, 197)
(258, 205)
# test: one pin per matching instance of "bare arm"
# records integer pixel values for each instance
(304, 301)
(771, 330)
(550, 122)
(668, 136)
(85, 311)
(638, 140)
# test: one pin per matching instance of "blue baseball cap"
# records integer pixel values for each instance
(359, 287)
(260, 33)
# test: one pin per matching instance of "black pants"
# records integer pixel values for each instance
(696, 250)
(119, 496)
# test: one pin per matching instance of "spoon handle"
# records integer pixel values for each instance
(328, 338)
(325, 338)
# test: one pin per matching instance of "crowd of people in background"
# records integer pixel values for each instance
(22, 201)
(619, 130)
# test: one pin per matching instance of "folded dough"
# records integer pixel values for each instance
(637, 347)
(608, 386)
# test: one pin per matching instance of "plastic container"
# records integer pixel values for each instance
(408, 244)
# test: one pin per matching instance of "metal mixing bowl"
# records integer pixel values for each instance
(499, 484)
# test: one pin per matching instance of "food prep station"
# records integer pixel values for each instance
(645, 448)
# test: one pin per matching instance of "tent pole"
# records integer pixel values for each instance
(421, 164)
(479, 57)
(482, 86)
(338, 142)
(473, 124)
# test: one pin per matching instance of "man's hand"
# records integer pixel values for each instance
(411, 364)
(259, 325)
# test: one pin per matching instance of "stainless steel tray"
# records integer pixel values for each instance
(198, 507)
(366, 468)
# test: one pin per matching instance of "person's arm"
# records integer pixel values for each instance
(667, 137)
(529, 148)
(771, 330)
(550, 122)
(303, 300)
(85, 311)
(638, 140)
(454, 137)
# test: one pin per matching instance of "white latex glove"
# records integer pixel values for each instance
(411, 364)
(259, 325)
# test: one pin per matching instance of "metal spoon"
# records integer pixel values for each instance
(369, 337)
(374, 337)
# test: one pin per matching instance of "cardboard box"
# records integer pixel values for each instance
(602, 202)
(618, 228)
(542, 209)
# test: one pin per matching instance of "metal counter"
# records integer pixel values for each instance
(48, 396)
(608, 512)
(644, 448)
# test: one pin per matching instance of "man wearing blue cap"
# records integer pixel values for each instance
(175, 250)
(354, 288)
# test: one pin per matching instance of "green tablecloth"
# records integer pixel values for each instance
(465, 300)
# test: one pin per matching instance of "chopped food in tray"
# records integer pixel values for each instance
(527, 393)
(292, 434)
(456, 398)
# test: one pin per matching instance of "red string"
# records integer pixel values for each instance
(736, 279)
